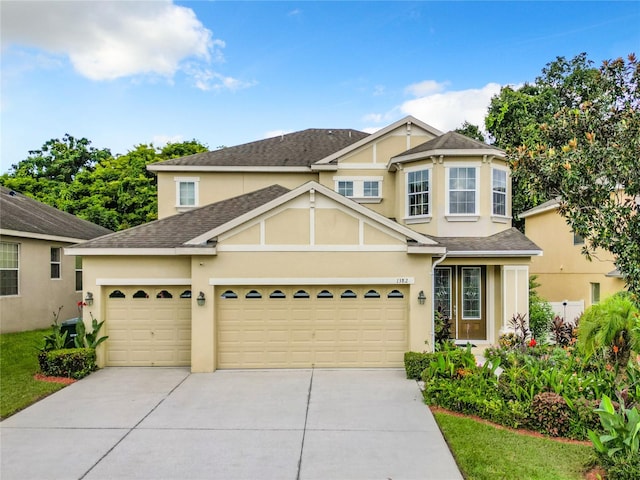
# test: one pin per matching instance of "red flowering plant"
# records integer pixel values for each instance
(532, 343)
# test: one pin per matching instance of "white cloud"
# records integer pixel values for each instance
(449, 109)
(370, 129)
(373, 117)
(110, 40)
(207, 79)
(426, 87)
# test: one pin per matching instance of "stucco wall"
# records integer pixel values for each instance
(39, 295)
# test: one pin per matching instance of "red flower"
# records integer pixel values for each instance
(615, 349)
(532, 342)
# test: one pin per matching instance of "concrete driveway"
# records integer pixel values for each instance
(165, 423)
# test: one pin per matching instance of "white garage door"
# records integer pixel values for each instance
(300, 327)
(148, 326)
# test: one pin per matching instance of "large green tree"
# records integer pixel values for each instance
(115, 192)
(515, 114)
(588, 154)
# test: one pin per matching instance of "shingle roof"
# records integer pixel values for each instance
(511, 240)
(298, 149)
(23, 214)
(448, 141)
(174, 231)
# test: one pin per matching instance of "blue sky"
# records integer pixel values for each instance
(124, 73)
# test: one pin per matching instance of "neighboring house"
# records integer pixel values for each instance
(567, 278)
(326, 248)
(35, 277)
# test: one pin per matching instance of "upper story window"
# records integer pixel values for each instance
(187, 191)
(577, 239)
(56, 265)
(9, 266)
(498, 192)
(418, 193)
(360, 189)
(462, 191)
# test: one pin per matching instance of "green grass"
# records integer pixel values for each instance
(18, 364)
(485, 452)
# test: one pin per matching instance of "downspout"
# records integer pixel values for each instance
(433, 296)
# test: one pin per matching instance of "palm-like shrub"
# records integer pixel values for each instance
(612, 325)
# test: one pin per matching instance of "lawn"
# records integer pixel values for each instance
(486, 452)
(18, 364)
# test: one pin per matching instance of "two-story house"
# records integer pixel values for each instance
(326, 248)
(567, 278)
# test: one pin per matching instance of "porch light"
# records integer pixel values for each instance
(200, 299)
(421, 297)
(89, 299)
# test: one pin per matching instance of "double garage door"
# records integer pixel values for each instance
(300, 327)
(262, 327)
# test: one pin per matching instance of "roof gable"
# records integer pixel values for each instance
(25, 216)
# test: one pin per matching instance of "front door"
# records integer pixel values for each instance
(460, 294)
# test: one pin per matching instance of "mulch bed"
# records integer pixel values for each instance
(62, 380)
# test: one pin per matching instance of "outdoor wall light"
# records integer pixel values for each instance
(89, 299)
(200, 299)
(421, 297)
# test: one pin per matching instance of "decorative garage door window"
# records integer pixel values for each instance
(186, 294)
(117, 294)
(395, 294)
(348, 294)
(164, 294)
(253, 294)
(229, 294)
(372, 294)
(325, 294)
(277, 294)
(141, 294)
(301, 294)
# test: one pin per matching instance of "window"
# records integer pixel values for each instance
(577, 239)
(462, 191)
(164, 294)
(345, 188)
(471, 293)
(229, 294)
(372, 294)
(371, 189)
(301, 294)
(56, 270)
(9, 264)
(499, 192)
(395, 294)
(595, 293)
(348, 294)
(186, 191)
(253, 294)
(418, 193)
(186, 294)
(360, 189)
(277, 294)
(78, 274)
(325, 294)
(141, 294)
(116, 294)
(442, 290)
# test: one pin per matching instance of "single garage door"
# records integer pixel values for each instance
(148, 326)
(300, 327)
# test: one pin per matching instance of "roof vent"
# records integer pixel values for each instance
(12, 193)
(330, 132)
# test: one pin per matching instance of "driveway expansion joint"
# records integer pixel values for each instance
(304, 431)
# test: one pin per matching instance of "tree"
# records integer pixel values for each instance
(514, 115)
(471, 131)
(588, 154)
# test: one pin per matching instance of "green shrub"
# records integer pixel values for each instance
(451, 362)
(71, 362)
(415, 363)
(619, 447)
(550, 414)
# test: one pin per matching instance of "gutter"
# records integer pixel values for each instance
(433, 296)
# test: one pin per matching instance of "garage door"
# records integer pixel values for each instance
(148, 326)
(300, 327)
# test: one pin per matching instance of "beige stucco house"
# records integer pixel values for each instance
(326, 248)
(35, 277)
(564, 274)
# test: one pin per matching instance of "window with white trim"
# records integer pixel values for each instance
(9, 268)
(418, 193)
(499, 192)
(360, 189)
(462, 187)
(187, 191)
(56, 264)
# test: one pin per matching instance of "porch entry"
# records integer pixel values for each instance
(460, 294)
